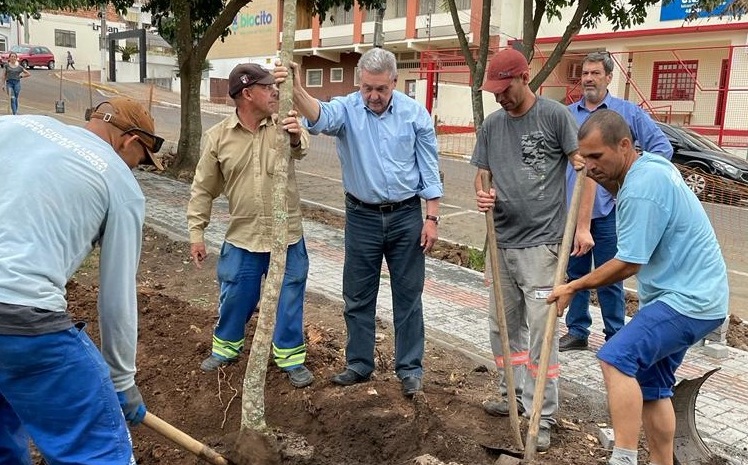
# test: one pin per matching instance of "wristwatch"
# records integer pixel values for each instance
(433, 218)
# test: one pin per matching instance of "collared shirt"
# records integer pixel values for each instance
(241, 164)
(384, 158)
(643, 129)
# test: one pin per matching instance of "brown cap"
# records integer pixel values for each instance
(503, 67)
(133, 118)
(247, 74)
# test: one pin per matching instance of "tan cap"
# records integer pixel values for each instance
(132, 118)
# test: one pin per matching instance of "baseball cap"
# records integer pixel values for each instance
(503, 67)
(248, 74)
(132, 118)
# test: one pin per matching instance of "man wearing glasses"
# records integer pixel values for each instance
(70, 189)
(238, 159)
(597, 73)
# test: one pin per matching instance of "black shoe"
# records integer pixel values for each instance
(349, 378)
(569, 342)
(411, 385)
(500, 408)
(300, 376)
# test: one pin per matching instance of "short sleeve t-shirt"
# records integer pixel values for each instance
(662, 226)
(527, 157)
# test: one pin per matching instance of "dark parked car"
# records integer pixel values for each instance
(30, 56)
(711, 172)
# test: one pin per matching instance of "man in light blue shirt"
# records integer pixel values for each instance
(597, 72)
(666, 240)
(387, 149)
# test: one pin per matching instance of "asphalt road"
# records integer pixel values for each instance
(319, 174)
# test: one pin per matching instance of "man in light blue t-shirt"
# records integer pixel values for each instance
(666, 240)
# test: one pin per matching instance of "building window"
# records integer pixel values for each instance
(64, 38)
(336, 75)
(314, 78)
(356, 77)
(3, 44)
(674, 80)
(395, 9)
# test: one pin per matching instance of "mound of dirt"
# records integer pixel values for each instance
(367, 424)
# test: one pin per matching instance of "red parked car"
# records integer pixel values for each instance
(30, 56)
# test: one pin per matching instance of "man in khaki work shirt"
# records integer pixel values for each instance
(238, 159)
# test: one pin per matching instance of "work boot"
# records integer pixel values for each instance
(500, 408)
(411, 385)
(544, 439)
(300, 376)
(569, 342)
(348, 378)
(213, 362)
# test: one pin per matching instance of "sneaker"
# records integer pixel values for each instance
(544, 439)
(212, 363)
(500, 408)
(569, 342)
(300, 376)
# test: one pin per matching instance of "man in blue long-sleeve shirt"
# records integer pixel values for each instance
(597, 73)
(387, 149)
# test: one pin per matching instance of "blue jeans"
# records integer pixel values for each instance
(14, 90)
(240, 275)
(56, 388)
(369, 236)
(611, 297)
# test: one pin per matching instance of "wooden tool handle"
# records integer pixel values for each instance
(493, 253)
(183, 440)
(531, 441)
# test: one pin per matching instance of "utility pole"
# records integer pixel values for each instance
(102, 41)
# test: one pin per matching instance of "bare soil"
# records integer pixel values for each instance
(367, 424)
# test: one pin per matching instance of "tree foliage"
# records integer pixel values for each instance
(731, 8)
(18, 9)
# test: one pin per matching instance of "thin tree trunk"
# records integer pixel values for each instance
(253, 396)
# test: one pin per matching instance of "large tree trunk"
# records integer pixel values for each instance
(253, 395)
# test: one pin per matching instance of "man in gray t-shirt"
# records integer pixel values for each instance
(525, 147)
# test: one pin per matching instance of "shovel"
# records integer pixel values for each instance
(183, 440)
(501, 319)
(531, 442)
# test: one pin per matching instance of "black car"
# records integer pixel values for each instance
(711, 172)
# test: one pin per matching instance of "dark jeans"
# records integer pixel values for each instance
(369, 236)
(611, 298)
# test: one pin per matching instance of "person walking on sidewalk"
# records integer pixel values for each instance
(71, 62)
(597, 73)
(72, 189)
(387, 148)
(13, 72)
(238, 159)
(666, 241)
(525, 147)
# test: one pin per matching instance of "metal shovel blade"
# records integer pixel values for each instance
(689, 448)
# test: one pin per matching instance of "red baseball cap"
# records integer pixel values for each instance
(503, 67)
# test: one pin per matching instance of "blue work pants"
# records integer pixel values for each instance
(240, 274)
(56, 389)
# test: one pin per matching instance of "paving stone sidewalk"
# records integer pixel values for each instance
(455, 310)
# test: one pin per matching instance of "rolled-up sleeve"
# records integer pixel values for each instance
(206, 186)
(427, 157)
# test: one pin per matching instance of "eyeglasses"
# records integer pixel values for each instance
(149, 141)
(270, 87)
